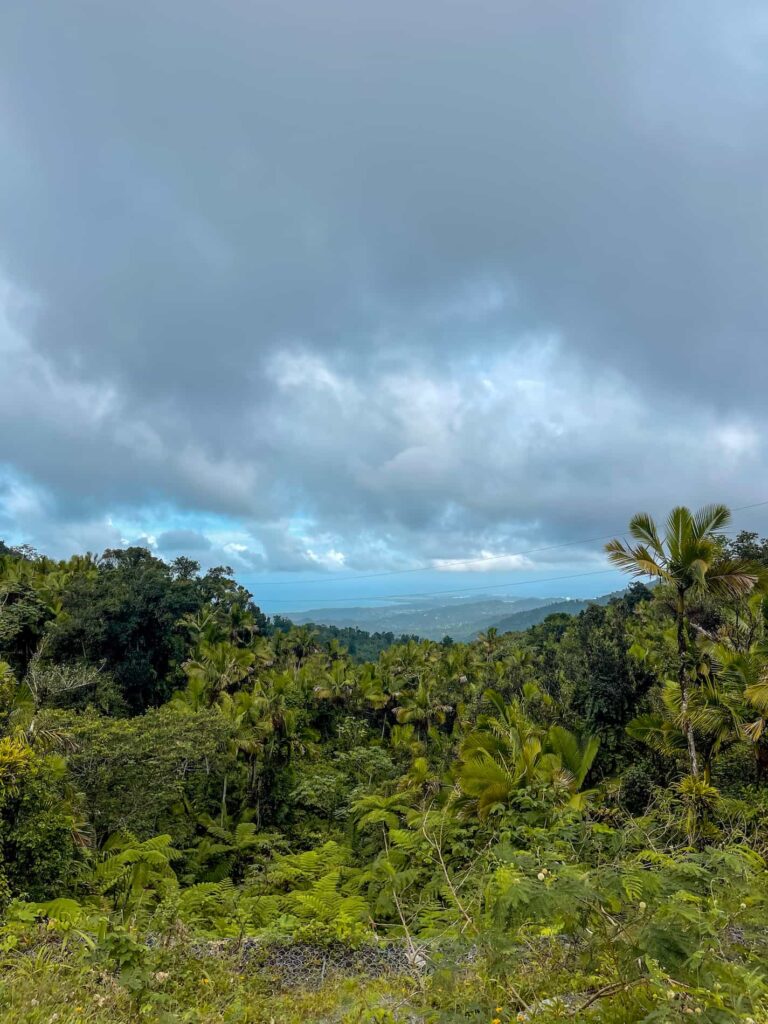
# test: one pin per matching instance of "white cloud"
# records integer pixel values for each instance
(486, 561)
(738, 440)
(330, 559)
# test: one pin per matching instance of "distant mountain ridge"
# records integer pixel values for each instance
(461, 619)
(519, 621)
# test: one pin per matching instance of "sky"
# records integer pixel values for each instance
(325, 291)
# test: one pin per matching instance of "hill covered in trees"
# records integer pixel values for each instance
(434, 618)
(521, 620)
(359, 644)
(200, 805)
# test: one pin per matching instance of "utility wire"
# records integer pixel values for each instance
(457, 561)
(430, 568)
(464, 590)
(457, 590)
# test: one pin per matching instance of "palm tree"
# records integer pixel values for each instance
(507, 752)
(336, 683)
(720, 708)
(422, 707)
(576, 753)
(302, 641)
(335, 650)
(751, 671)
(241, 624)
(690, 558)
(368, 690)
(489, 643)
(731, 687)
(219, 667)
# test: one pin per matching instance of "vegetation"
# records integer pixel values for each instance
(359, 644)
(433, 618)
(198, 804)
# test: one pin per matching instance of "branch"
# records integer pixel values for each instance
(609, 990)
(436, 847)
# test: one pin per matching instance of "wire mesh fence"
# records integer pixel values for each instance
(310, 965)
(307, 965)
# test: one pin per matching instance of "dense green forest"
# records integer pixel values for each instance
(567, 822)
(359, 644)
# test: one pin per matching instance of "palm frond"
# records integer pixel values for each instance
(637, 560)
(757, 695)
(644, 529)
(710, 519)
(730, 578)
(679, 528)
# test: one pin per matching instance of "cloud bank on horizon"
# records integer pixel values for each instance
(343, 286)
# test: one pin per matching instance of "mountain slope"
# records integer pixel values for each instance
(461, 619)
(522, 620)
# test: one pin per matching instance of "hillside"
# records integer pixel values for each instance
(460, 618)
(519, 621)
(211, 818)
(360, 645)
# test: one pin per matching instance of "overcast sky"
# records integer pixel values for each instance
(322, 289)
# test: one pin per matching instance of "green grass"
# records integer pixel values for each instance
(53, 986)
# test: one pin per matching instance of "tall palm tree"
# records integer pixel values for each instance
(489, 643)
(732, 686)
(302, 641)
(690, 559)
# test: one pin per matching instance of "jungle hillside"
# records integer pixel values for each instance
(210, 815)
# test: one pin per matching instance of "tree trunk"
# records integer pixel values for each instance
(224, 801)
(682, 650)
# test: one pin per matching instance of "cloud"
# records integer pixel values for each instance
(486, 561)
(27, 515)
(338, 287)
(186, 541)
(289, 547)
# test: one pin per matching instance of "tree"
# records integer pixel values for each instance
(218, 667)
(336, 683)
(226, 850)
(136, 773)
(747, 546)
(41, 838)
(604, 683)
(422, 707)
(691, 560)
(508, 752)
(134, 613)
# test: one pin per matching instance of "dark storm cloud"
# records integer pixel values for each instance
(429, 276)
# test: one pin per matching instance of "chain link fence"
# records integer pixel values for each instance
(309, 965)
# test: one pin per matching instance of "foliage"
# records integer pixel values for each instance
(516, 823)
(138, 774)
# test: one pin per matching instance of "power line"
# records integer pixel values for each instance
(454, 561)
(458, 590)
(493, 586)
(743, 508)
(429, 568)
